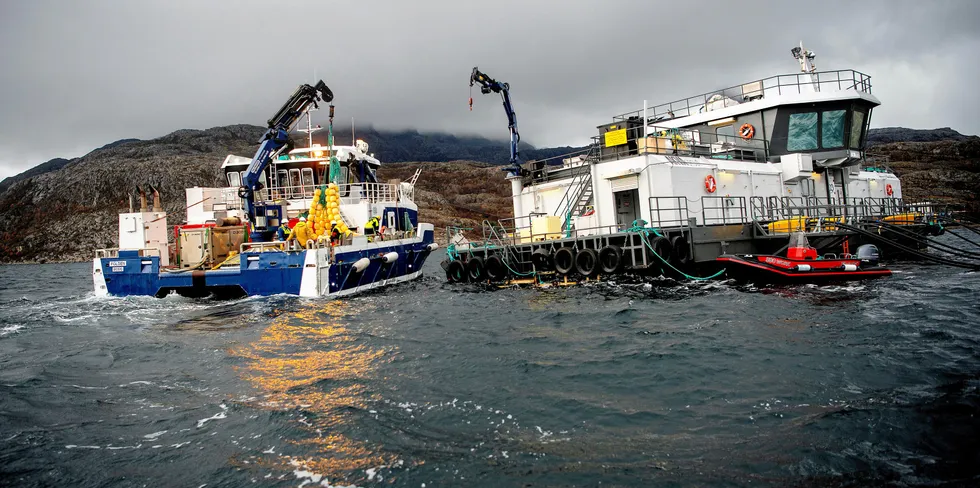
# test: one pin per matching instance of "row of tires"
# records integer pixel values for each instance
(567, 261)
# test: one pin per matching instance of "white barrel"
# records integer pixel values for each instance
(432, 247)
(390, 257)
(361, 264)
(803, 267)
(849, 267)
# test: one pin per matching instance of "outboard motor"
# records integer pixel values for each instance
(868, 253)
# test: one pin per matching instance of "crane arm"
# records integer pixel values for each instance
(487, 85)
(276, 138)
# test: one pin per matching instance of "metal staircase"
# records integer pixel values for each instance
(579, 194)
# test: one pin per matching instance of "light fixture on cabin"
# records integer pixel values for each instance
(724, 121)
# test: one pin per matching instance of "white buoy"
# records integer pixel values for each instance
(432, 247)
(361, 264)
(849, 267)
(803, 267)
(390, 257)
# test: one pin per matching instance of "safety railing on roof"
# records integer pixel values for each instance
(681, 142)
(557, 167)
(821, 81)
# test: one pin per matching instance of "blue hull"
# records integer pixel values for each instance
(305, 272)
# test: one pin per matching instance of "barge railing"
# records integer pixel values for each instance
(681, 142)
(839, 80)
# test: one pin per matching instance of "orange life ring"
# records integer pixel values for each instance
(710, 185)
(889, 190)
(746, 131)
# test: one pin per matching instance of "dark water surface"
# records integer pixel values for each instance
(638, 384)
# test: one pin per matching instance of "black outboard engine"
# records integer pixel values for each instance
(868, 253)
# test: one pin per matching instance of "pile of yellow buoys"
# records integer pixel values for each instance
(322, 216)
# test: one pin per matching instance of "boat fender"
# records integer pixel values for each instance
(456, 272)
(432, 247)
(565, 260)
(849, 267)
(390, 258)
(661, 246)
(475, 269)
(889, 190)
(802, 267)
(586, 262)
(681, 249)
(361, 264)
(542, 259)
(494, 266)
(610, 259)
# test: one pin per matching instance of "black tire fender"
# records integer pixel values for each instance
(681, 249)
(565, 260)
(456, 272)
(495, 269)
(661, 246)
(542, 259)
(475, 269)
(610, 259)
(587, 262)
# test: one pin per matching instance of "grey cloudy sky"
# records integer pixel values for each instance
(77, 75)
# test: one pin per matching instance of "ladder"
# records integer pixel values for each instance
(580, 193)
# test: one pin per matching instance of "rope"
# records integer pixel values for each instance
(643, 232)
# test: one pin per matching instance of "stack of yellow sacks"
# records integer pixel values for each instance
(322, 216)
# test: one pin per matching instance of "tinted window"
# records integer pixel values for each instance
(857, 124)
(802, 132)
(832, 129)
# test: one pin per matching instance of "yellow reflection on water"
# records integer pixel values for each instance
(308, 361)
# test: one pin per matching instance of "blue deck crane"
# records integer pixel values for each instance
(487, 85)
(265, 217)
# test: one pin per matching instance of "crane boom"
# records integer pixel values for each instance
(272, 143)
(487, 85)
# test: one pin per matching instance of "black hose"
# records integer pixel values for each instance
(950, 249)
(911, 251)
(964, 238)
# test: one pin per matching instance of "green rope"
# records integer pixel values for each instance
(643, 232)
(451, 252)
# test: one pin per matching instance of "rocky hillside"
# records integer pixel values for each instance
(945, 171)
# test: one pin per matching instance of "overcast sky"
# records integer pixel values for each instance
(77, 75)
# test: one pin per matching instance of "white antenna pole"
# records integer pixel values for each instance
(353, 140)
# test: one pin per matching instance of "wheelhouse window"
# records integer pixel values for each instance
(726, 133)
(857, 126)
(802, 132)
(832, 129)
(307, 175)
(234, 180)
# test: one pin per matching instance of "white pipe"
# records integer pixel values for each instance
(432, 247)
(390, 257)
(361, 264)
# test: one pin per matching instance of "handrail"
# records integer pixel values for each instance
(684, 142)
(757, 89)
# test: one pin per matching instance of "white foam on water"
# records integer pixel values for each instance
(154, 435)
(73, 446)
(223, 414)
(10, 329)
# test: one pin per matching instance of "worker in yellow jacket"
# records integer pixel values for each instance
(301, 232)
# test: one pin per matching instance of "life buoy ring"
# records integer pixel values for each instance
(710, 185)
(889, 190)
(746, 131)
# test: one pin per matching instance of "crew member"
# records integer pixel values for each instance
(301, 232)
(334, 234)
(282, 233)
(371, 226)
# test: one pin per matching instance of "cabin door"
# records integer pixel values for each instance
(626, 211)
